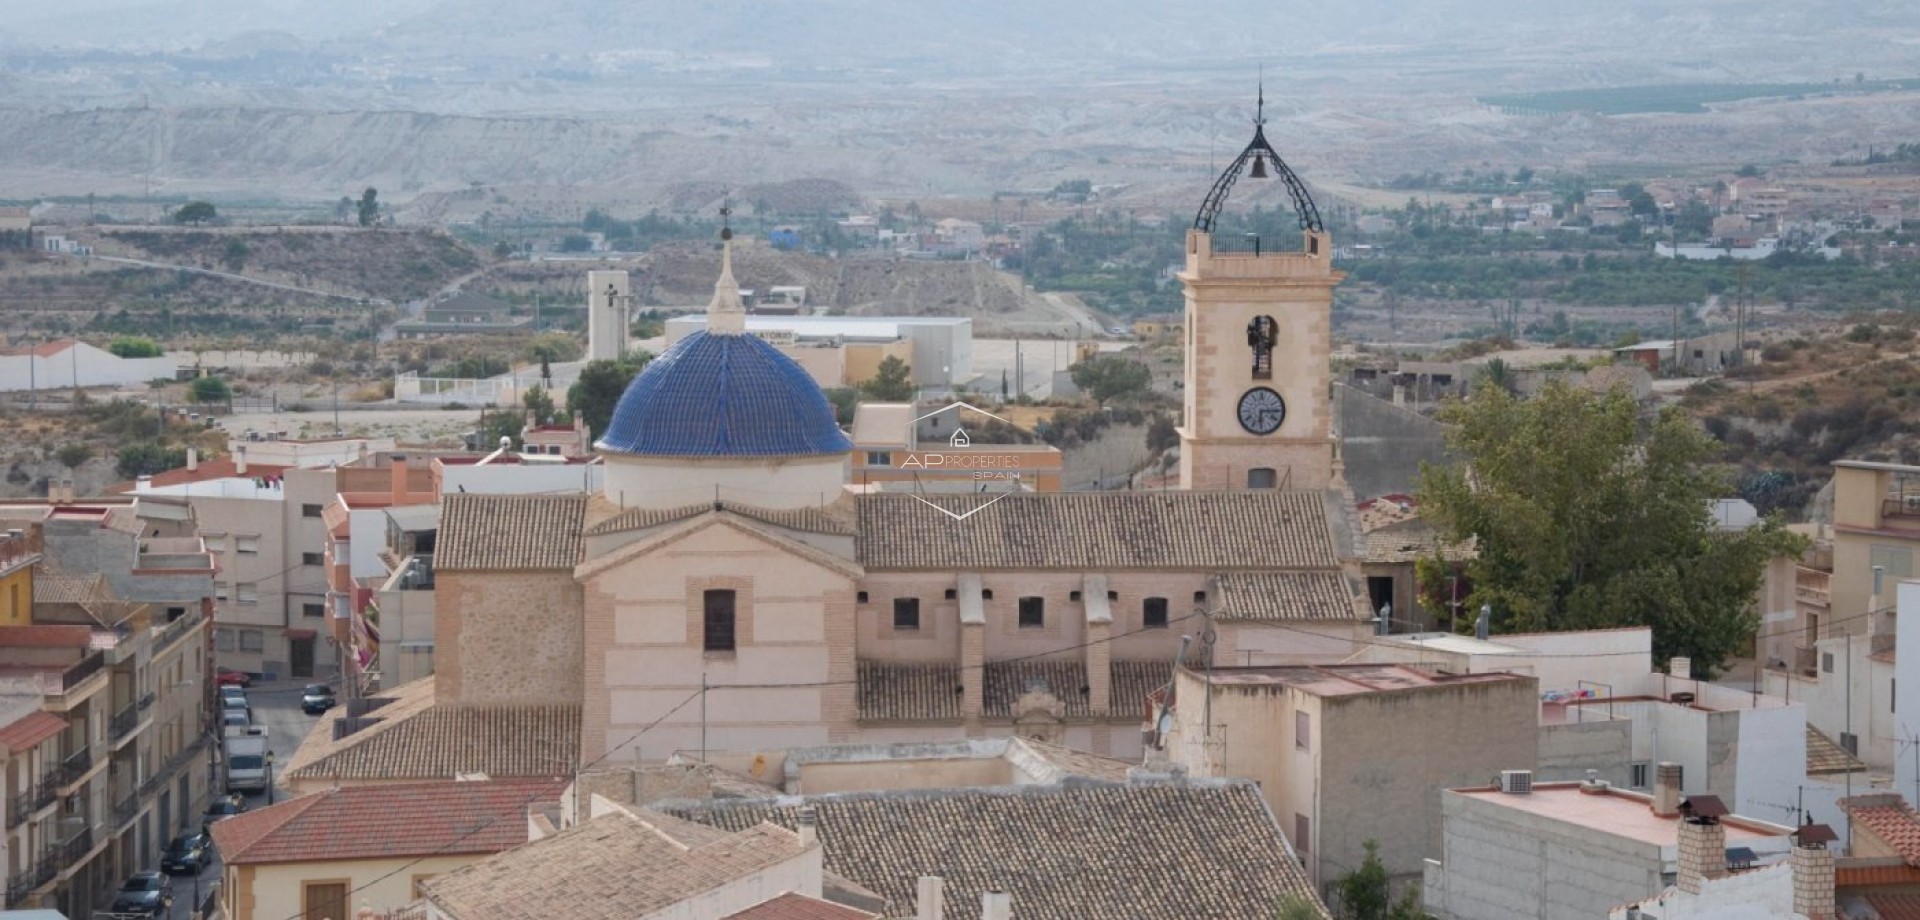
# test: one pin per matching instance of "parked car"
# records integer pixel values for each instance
(226, 677)
(236, 719)
(317, 698)
(149, 893)
(231, 695)
(186, 854)
(222, 808)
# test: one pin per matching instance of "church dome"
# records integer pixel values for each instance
(714, 394)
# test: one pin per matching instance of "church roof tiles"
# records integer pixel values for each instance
(509, 531)
(1098, 531)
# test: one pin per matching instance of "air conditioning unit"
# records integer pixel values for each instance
(1516, 782)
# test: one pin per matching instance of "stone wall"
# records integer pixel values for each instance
(1383, 444)
(509, 638)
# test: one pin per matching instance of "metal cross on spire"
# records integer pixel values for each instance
(726, 223)
(1260, 100)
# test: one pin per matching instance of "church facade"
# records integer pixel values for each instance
(729, 591)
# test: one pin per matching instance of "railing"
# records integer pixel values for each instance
(27, 802)
(1812, 585)
(123, 723)
(74, 847)
(125, 809)
(146, 701)
(14, 548)
(174, 630)
(23, 885)
(87, 667)
(72, 768)
(1904, 506)
(181, 758)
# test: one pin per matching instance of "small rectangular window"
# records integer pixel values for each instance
(1073, 596)
(1262, 477)
(247, 546)
(951, 594)
(1033, 612)
(861, 597)
(1199, 597)
(1302, 730)
(313, 610)
(313, 558)
(718, 621)
(312, 511)
(879, 458)
(1826, 662)
(1153, 613)
(252, 640)
(1638, 779)
(906, 613)
(247, 593)
(986, 594)
(223, 640)
(1302, 832)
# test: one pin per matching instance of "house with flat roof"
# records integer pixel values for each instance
(1522, 850)
(1328, 745)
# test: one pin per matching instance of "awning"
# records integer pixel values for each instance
(301, 634)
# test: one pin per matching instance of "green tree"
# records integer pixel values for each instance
(1363, 892)
(498, 424)
(539, 405)
(1584, 515)
(369, 206)
(209, 390)
(601, 384)
(73, 453)
(1497, 372)
(195, 212)
(1110, 377)
(234, 256)
(892, 382)
(845, 400)
(134, 346)
(147, 458)
(1295, 907)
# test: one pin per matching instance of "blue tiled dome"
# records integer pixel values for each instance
(723, 396)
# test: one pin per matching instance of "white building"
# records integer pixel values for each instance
(58, 364)
(941, 346)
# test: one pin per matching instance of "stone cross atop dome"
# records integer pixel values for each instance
(726, 314)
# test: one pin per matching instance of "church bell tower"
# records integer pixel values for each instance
(1258, 340)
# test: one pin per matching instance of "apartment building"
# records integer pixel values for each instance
(104, 695)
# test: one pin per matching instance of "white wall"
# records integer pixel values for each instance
(1616, 657)
(1770, 764)
(521, 478)
(367, 528)
(96, 367)
(1906, 672)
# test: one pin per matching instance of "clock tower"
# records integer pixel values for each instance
(1258, 340)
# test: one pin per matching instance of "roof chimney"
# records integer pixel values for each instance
(1666, 790)
(1681, 667)
(809, 836)
(1703, 843)
(240, 459)
(143, 484)
(1483, 623)
(996, 905)
(193, 459)
(929, 902)
(399, 469)
(1813, 872)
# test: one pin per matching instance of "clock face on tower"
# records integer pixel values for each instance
(1262, 410)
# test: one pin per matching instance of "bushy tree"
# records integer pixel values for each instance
(195, 212)
(147, 458)
(73, 453)
(369, 207)
(892, 382)
(209, 390)
(1110, 377)
(601, 383)
(1585, 515)
(134, 346)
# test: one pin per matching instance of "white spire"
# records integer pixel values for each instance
(726, 315)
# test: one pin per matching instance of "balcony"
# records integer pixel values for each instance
(123, 725)
(75, 848)
(124, 811)
(174, 764)
(81, 678)
(146, 701)
(72, 770)
(1901, 512)
(1811, 586)
(19, 548)
(22, 806)
(21, 886)
(172, 632)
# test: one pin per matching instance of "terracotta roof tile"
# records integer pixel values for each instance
(1862, 876)
(55, 585)
(441, 742)
(1202, 849)
(1410, 544)
(1287, 596)
(1890, 818)
(1824, 757)
(810, 520)
(31, 729)
(509, 531)
(614, 867)
(1097, 531)
(387, 821)
(1894, 905)
(795, 906)
(894, 692)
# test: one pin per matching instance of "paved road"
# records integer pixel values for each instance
(230, 276)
